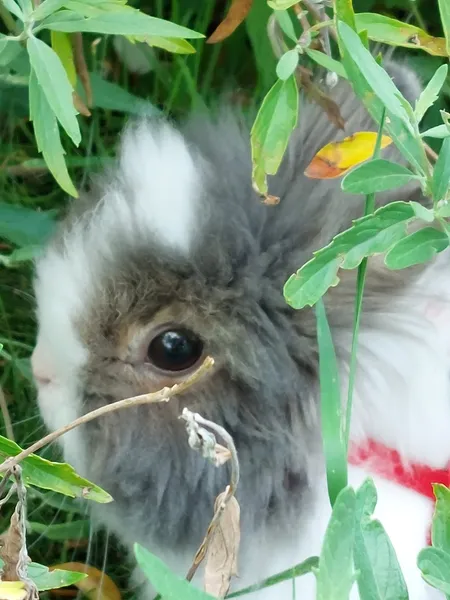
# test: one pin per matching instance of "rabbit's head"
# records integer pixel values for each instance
(171, 258)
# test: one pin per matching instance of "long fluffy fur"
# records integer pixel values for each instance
(176, 234)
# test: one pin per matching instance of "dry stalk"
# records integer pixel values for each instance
(163, 395)
(81, 66)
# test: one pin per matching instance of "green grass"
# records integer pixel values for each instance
(176, 85)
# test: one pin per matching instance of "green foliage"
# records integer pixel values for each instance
(51, 580)
(376, 176)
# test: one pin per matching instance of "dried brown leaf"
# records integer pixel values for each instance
(81, 66)
(222, 453)
(223, 548)
(80, 105)
(11, 544)
(239, 9)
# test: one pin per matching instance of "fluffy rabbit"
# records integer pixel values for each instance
(173, 256)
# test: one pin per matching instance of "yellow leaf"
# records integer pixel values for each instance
(239, 9)
(62, 45)
(177, 46)
(96, 586)
(336, 158)
(13, 590)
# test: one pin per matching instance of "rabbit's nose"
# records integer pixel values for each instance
(41, 369)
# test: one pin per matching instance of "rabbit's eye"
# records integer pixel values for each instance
(175, 350)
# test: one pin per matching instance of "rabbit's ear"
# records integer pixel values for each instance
(163, 182)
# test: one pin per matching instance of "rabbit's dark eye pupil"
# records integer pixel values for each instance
(175, 350)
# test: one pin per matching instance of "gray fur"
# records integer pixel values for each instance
(264, 391)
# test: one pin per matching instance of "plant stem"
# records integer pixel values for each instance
(360, 282)
(8, 20)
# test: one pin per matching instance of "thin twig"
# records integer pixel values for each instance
(6, 415)
(81, 66)
(430, 152)
(319, 16)
(155, 397)
(230, 490)
(8, 19)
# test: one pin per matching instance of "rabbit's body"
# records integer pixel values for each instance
(177, 236)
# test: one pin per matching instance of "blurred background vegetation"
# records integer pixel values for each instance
(127, 80)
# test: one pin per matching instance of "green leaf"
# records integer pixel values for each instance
(380, 576)
(344, 12)
(89, 8)
(444, 9)
(376, 176)
(168, 585)
(396, 33)
(110, 96)
(174, 45)
(425, 214)
(47, 8)
(48, 140)
(58, 477)
(441, 175)
(20, 256)
(51, 580)
(307, 566)
(376, 76)
(441, 519)
(373, 234)
(274, 123)
(431, 93)
(130, 22)
(434, 564)
(9, 50)
(60, 532)
(14, 8)
(440, 132)
(399, 129)
(327, 62)
(287, 64)
(62, 45)
(417, 248)
(281, 4)
(23, 226)
(335, 575)
(55, 85)
(284, 21)
(334, 443)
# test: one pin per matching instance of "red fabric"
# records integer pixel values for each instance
(386, 462)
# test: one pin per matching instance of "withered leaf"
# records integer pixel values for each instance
(96, 586)
(239, 9)
(336, 158)
(11, 544)
(223, 548)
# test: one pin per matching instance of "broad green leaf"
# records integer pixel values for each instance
(25, 227)
(344, 12)
(48, 140)
(431, 93)
(110, 96)
(61, 503)
(55, 85)
(284, 21)
(62, 45)
(58, 477)
(47, 8)
(94, 8)
(335, 575)
(441, 519)
(379, 573)
(130, 22)
(174, 45)
(417, 248)
(441, 174)
(440, 132)
(396, 33)
(398, 129)
(14, 8)
(376, 176)
(168, 585)
(52, 580)
(26, 6)
(327, 62)
(303, 568)
(287, 64)
(376, 76)
(281, 4)
(434, 564)
(334, 443)
(444, 9)
(373, 234)
(19, 256)
(271, 130)
(60, 532)
(425, 214)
